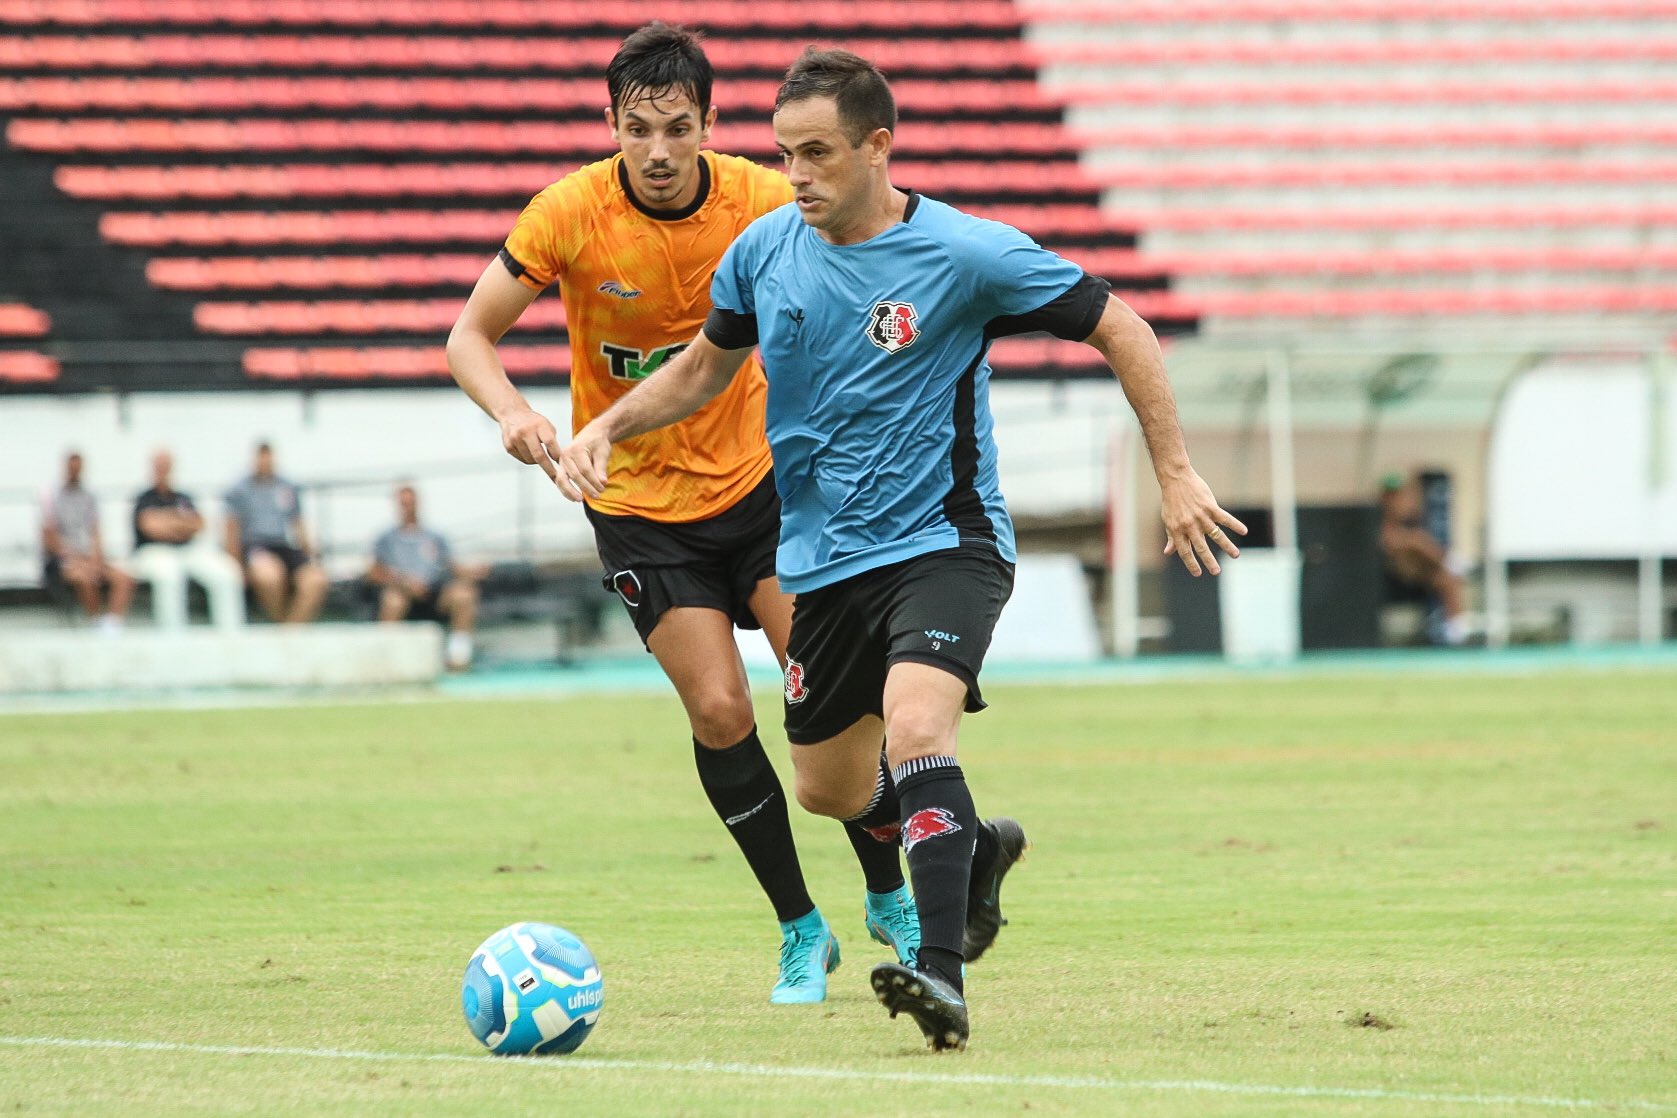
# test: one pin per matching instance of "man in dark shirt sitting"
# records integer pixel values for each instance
(169, 548)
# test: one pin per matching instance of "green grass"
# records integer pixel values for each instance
(1240, 883)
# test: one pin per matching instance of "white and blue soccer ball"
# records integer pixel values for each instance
(532, 989)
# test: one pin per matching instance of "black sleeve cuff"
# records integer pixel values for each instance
(1071, 315)
(731, 330)
(518, 270)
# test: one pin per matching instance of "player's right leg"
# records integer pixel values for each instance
(82, 577)
(269, 580)
(393, 603)
(161, 566)
(695, 647)
(311, 584)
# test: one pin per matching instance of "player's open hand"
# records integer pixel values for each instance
(582, 465)
(529, 437)
(1195, 523)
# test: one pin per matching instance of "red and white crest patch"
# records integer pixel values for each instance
(893, 326)
(796, 690)
(928, 823)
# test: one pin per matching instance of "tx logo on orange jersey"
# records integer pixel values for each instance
(631, 364)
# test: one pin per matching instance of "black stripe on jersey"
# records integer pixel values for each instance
(1072, 315)
(728, 329)
(512, 262)
(667, 215)
(963, 506)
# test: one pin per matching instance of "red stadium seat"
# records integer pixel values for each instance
(20, 321)
(900, 57)
(1228, 12)
(392, 362)
(382, 316)
(25, 368)
(219, 94)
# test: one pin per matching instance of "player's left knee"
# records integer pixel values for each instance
(835, 803)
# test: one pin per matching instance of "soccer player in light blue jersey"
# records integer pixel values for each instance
(873, 308)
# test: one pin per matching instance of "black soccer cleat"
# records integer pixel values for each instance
(935, 1006)
(984, 909)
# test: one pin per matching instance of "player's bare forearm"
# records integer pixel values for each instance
(677, 390)
(1194, 522)
(477, 369)
(1127, 342)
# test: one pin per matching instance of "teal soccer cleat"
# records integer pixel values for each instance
(809, 952)
(893, 920)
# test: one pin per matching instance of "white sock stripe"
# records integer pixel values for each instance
(920, 765)
(566, 1064)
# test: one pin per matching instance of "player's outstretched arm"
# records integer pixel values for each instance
(1193, 519)
(678, 389)
(494, 305)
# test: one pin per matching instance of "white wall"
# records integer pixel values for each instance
(1572, 470)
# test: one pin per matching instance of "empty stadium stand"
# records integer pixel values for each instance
(301, 192)
(1377, 166)
(22, 327)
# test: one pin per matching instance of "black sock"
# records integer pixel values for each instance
(745, 792)
(874, 832)
(940, 826)
(881, 868)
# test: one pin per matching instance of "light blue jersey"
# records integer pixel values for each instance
(878, 406)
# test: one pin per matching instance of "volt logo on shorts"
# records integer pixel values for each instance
(892, 327)
(796, 690)
(928, 823)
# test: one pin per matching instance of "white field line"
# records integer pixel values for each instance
(767, 1071)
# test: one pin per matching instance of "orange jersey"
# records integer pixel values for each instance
(636, 286)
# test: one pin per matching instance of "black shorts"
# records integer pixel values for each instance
(715, 563)
(426, 606)
(293, 558)
(937, 609)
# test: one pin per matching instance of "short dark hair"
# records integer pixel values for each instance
(657, 58)
(857, 87)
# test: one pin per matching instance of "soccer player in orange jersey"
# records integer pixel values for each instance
(687, 528)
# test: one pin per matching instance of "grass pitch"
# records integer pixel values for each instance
(1426, 895)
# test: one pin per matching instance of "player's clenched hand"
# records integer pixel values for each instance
(1195, 522)
(529, 437)
(582, 465)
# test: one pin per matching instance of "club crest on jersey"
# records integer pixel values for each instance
(928, 823)
(892, 326)
(612, 287)
(796, 690)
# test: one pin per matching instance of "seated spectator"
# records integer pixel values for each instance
(74, 554)
(169, 548)
(1415, 558)
(265, 534)
(417, 576)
